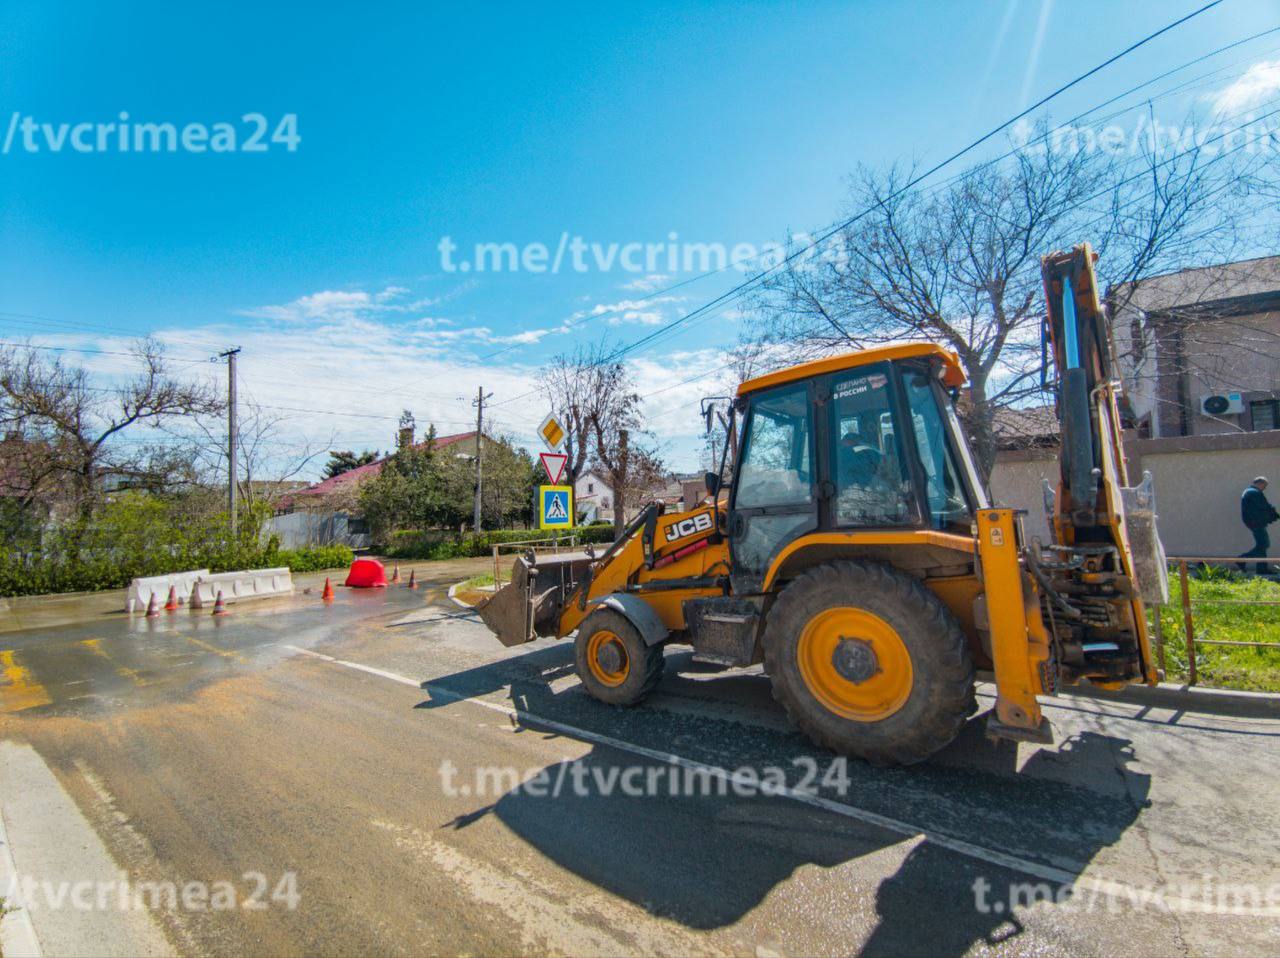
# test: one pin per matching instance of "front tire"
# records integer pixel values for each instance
(869, 662)
(613, 661)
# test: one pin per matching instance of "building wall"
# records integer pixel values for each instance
(1169, 369)
(590, 496)
(1198, 481)
(1199, 332)
(1242, 355)
(298, 530)
(1016, 482)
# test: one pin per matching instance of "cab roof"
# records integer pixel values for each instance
(953, 374)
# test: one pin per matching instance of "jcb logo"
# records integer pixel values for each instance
(687, 527)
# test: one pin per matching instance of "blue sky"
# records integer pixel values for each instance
(728, 123)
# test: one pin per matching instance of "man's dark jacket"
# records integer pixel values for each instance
(1255, 511)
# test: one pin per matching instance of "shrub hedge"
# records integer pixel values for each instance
(138, 535)
(436, 545)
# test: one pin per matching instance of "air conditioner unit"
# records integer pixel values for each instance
(1223, 404)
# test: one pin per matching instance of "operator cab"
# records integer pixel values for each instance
(863, 441)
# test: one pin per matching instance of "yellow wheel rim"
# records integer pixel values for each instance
(607, 658)
(855, 664)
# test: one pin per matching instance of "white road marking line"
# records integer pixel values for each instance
(1051, 873)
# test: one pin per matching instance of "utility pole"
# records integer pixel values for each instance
(231, 434)
(478, 402)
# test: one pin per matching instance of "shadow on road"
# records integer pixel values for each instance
(706, 857)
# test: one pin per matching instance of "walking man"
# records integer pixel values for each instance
(1257, 513)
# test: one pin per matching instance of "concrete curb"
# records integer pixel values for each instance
(17, 933)
(454, 598)
(1188, 698)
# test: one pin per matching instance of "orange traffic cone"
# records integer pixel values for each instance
(327, 594)
(196, 602)
(413, 581)
(171, 605)
(153, 607)
(219, 607)
(395, 573)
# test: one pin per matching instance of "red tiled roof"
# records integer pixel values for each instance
(360, 473)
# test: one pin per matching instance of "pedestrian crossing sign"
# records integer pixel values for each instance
(555, 507)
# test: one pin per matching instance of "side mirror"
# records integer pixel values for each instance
(713, 482)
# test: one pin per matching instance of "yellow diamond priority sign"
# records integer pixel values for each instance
(551, 432)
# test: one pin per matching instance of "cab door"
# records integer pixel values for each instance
(774, 496)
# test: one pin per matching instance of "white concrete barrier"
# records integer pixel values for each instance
(235, 586)
(141, 589)
(238, 586)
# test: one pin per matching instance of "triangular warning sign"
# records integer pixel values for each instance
(557, 508)
(554, 463)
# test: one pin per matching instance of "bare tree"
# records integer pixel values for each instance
(74, 433)
(270, 451)
(623, 454)
(630, 467)
(959, 265)
(568, 386)
(580, 388)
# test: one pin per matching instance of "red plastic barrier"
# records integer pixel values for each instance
(367, 574)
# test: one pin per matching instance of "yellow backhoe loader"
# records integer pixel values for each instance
(857, 554)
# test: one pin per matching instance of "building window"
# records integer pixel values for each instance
(591, 487)
(1265, 414)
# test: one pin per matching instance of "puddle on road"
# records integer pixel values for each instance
(133, 660)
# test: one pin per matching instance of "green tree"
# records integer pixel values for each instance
(508, 485)
(408, 493)
(344, 460)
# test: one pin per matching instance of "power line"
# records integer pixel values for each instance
(1133, 200)
(1048, 134)
(80, 324)
(749, 283)
(88, 349)
(740, 261)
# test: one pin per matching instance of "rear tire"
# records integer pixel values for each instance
(612, 660)
(869, 662)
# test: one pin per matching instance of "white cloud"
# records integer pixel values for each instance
(345, 363)
(647, 284)
(643, 317)
(645, 312)
(1260, 81)
(528, 337)
(338, 305)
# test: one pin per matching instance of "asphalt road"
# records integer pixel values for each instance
(352, 769)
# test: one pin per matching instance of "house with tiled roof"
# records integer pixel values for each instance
(320, 494)
(321, 514)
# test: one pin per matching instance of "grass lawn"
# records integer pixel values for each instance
(1224, 666)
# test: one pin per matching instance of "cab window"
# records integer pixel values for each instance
(871, 484)
(948, 505)
(775, 467)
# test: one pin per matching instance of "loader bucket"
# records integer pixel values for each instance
(509, 612)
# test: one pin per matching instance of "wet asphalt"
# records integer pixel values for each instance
(361, 747)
